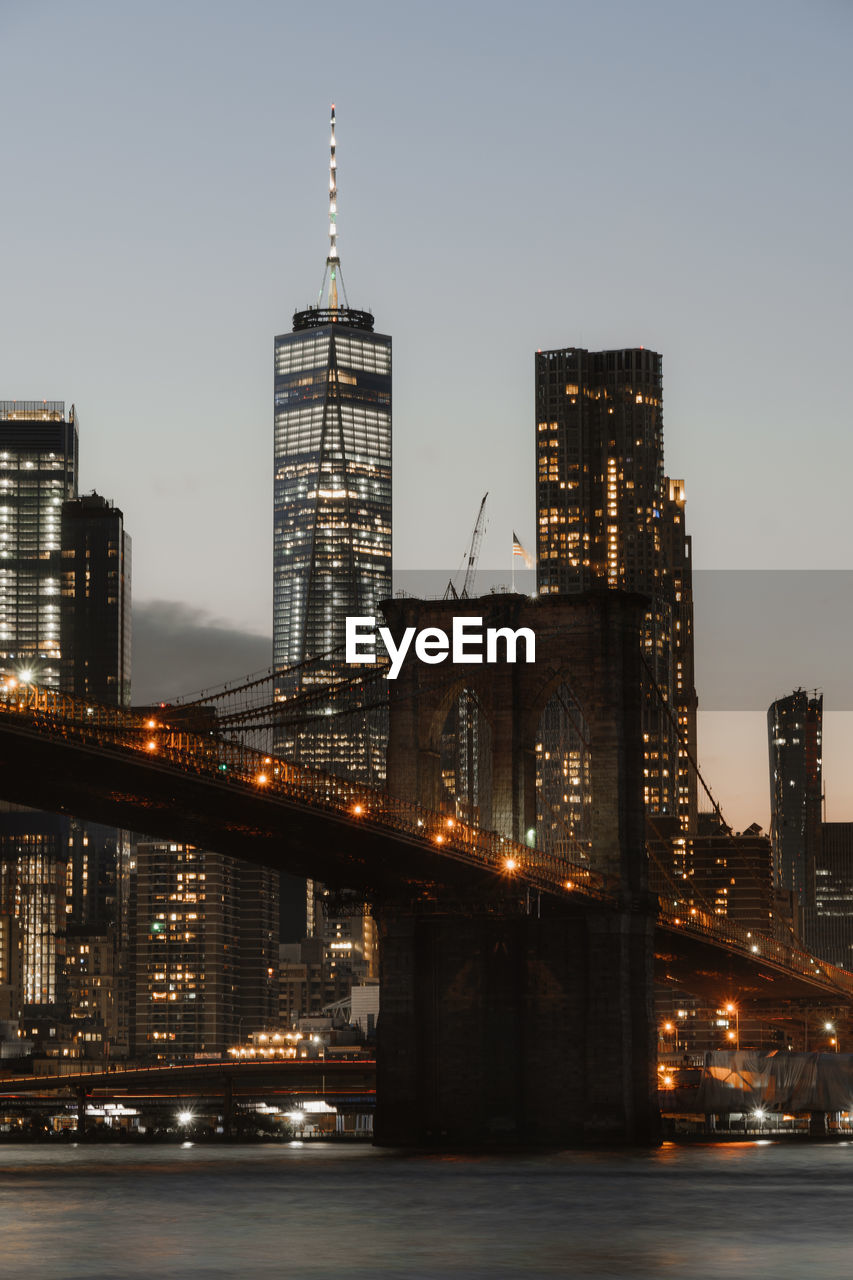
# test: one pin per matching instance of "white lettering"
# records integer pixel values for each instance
(511, 637)
(460, 627)
(360, 632)
(432, 645)
(395, 653)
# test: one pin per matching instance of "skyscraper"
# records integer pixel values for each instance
(38, 472)
(95, 624)
(332, 460)
(795, 731)
(609, 517)
(332, 491)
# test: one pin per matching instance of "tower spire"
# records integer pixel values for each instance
(332, 261)
(333, 307)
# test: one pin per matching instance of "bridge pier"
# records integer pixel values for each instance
(81, 1111)
(509, 1028)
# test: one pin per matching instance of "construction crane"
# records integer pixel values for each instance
(470, 561)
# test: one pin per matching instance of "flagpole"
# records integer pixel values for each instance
(512, 584)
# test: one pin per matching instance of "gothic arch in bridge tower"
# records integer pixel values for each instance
(588, 656)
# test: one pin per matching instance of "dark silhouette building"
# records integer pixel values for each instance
(829, 923)
(795, 731)
(96, 601)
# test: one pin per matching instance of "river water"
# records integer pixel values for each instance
(199, 1213)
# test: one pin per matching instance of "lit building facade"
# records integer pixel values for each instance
(206, 954)
(608, 516)
(332, 491)
(38, 473)
(33, 856)
(795, 734)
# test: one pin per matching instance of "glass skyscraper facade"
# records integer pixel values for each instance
(332, 486)
(38, 472)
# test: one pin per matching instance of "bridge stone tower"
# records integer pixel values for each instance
(511, 1020)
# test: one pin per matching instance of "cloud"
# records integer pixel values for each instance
(179, 649)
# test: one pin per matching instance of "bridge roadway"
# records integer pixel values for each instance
(135, 770)
(329, 1079)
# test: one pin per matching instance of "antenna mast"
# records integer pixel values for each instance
(332, 260)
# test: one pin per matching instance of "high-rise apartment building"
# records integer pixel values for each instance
(608, 516)
(95, 625)
(33, 857)
(795, 732)
(96, 665)
(204, 973)
(332, 494)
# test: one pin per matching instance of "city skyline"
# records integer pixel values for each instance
(709, 265)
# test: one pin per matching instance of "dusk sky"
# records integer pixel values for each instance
(674, 175)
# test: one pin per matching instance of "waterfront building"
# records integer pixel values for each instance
(33, 856)
(608, 517)
(332, 508)
(206, 947)
(795, 731)
(92, 990)
(308, 983)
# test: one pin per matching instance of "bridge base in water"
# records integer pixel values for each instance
(502, 1029)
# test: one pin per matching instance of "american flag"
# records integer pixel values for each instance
(518, 550)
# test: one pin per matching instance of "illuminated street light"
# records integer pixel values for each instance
(510, 864)
(185, 1118)
(731, 1008)
(833, 1037)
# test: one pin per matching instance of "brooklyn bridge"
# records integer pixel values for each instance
(516, 971)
